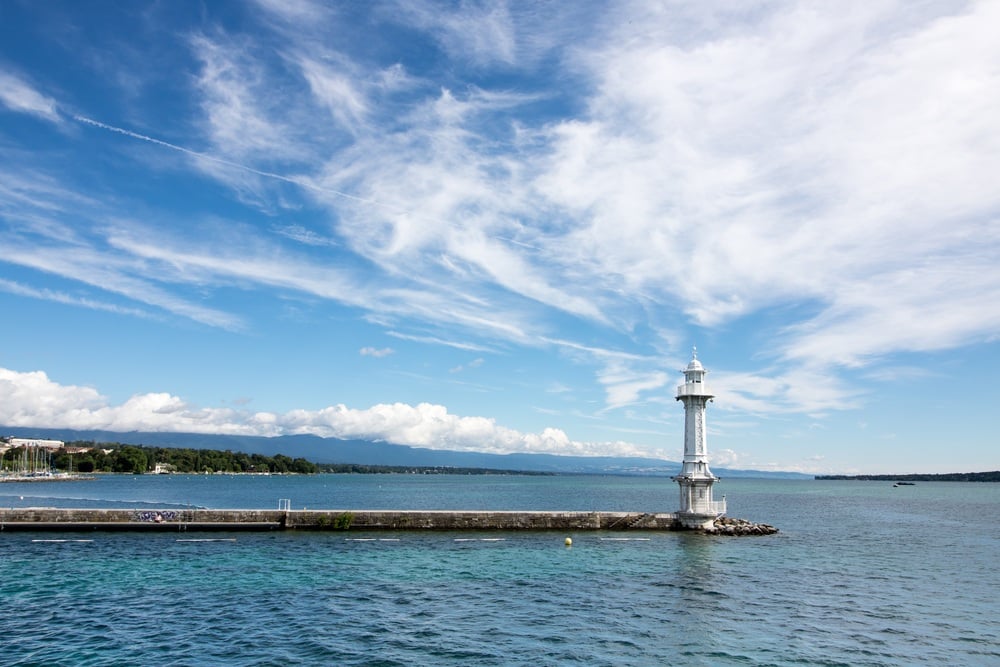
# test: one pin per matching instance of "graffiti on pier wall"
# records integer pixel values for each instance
(155, 517)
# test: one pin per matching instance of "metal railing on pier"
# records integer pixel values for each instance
(717, 506)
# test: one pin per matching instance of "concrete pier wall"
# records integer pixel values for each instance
(19, 519)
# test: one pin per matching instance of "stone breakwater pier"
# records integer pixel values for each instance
(51, 519)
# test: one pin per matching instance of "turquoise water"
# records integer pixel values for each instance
(860, 574)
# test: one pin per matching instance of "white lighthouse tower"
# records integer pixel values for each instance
(697, 510)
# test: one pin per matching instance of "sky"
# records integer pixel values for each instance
(503, 227)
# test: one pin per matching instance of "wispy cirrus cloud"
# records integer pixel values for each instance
(431, 340)
(242, 120)
(13, 287)
(297, 13)
(120, 275)
(475, 363)
(303, 235)
(377, 352)
(483, 32)
(18, 95)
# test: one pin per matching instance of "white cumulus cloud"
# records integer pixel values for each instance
(32, 399)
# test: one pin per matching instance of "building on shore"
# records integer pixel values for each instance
(697, 508)
(14, 443)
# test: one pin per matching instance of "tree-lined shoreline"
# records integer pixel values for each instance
(993, 476)
(90, 457)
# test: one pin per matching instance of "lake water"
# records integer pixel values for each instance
(861, 574)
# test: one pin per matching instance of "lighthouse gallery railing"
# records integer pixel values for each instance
(693, 389)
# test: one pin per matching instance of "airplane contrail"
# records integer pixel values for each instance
(229, 163)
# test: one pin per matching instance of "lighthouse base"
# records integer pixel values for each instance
(697, 520)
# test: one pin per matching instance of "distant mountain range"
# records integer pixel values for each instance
(368, 452)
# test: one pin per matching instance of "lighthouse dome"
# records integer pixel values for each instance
(695, 365)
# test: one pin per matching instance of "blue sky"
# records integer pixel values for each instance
(502, 227)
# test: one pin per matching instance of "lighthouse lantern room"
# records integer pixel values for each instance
(697, 508)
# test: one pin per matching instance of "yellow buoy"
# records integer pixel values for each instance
(569, 541)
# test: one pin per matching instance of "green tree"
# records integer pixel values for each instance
(130, 459)
(304, 467)
(282, 463)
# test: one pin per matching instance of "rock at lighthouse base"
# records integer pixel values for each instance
(739, 528)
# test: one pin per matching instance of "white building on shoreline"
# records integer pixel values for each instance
(14, 443)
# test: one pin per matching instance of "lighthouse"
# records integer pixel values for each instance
(697, 509)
